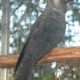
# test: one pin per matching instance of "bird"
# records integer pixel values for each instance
(45, 34)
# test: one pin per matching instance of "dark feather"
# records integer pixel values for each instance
(46, 32)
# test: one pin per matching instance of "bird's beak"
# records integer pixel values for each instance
(69, 5)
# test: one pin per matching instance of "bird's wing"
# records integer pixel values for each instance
(45, 34)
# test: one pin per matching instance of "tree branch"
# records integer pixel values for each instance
(58, 54)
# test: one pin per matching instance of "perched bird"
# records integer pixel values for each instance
(45, 33)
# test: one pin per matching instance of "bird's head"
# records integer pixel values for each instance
(62, 5)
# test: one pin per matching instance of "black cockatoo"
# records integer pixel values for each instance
(45, 34)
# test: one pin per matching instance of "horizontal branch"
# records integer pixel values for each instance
(58, 54)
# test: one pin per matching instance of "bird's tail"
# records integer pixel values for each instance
(24, 69)
(25, 76)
